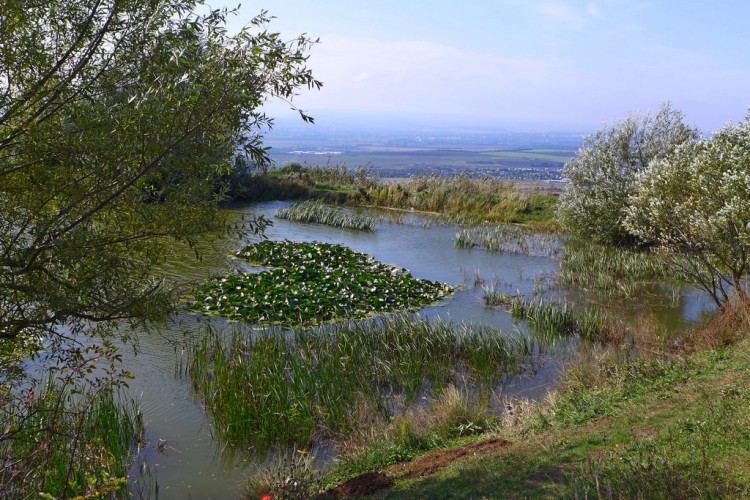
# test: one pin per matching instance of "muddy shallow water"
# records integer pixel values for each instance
(193, 464)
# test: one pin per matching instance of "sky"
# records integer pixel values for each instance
(520, 64)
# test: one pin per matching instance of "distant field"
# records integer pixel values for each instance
(505, 155)
(553, 155)
(532, 164)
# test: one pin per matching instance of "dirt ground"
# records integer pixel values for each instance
(366, 484)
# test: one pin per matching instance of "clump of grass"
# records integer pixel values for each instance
(316, 211)
(314, 283)
(494, 297)
(269, 389)
(289, 475)
(66, 443)
(552, 319)
(610, 269)
(509, 238)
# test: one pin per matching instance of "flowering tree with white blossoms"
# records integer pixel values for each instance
(695, 206)
(602, 175)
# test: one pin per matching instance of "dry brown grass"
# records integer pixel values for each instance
(722, 329)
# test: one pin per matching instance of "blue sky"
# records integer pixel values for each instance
(522, 63)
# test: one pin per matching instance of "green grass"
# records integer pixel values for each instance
(648, 428)
(315, 211)
(493, 297)
(64, 443)
(313, 283)
(266, 388)
(457, 198)
(551, 320)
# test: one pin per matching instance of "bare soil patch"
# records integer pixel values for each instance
(364, 484)
(432, 462)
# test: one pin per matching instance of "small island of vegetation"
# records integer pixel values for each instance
(313, 283)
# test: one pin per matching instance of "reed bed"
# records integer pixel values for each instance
(610, 269)
(467, 199)
(66, 443)
(511, 239)
(552, 319)
(270, 389)
(315, 211)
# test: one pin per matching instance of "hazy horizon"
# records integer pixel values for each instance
(525, 65)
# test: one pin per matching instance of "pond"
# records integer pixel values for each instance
(192, 463)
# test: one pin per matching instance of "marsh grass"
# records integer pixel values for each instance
(613, 270)
(456, 198)
(493, 295)
(272, 389)
(551, 319)
(65, 442)
(511, 239)
(466, 199)
(316, 211)
(334, 183)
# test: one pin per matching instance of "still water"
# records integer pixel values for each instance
(191, 464)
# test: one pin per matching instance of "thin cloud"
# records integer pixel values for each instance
(560, 13)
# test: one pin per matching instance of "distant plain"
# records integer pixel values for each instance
(504, 155)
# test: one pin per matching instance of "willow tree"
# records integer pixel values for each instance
(602, 175)
(117, 118)
(694, 205)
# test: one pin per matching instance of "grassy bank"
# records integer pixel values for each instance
(468, 200)
(668, 426)
(457, 198)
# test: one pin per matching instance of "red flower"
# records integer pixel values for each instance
(266, 496)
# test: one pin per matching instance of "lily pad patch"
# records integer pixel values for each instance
(311, 283)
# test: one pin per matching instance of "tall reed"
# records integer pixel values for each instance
(610, 269)
(552, 319)
(467, 199)
(509, 238)
(270, 389)
(316, 211)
